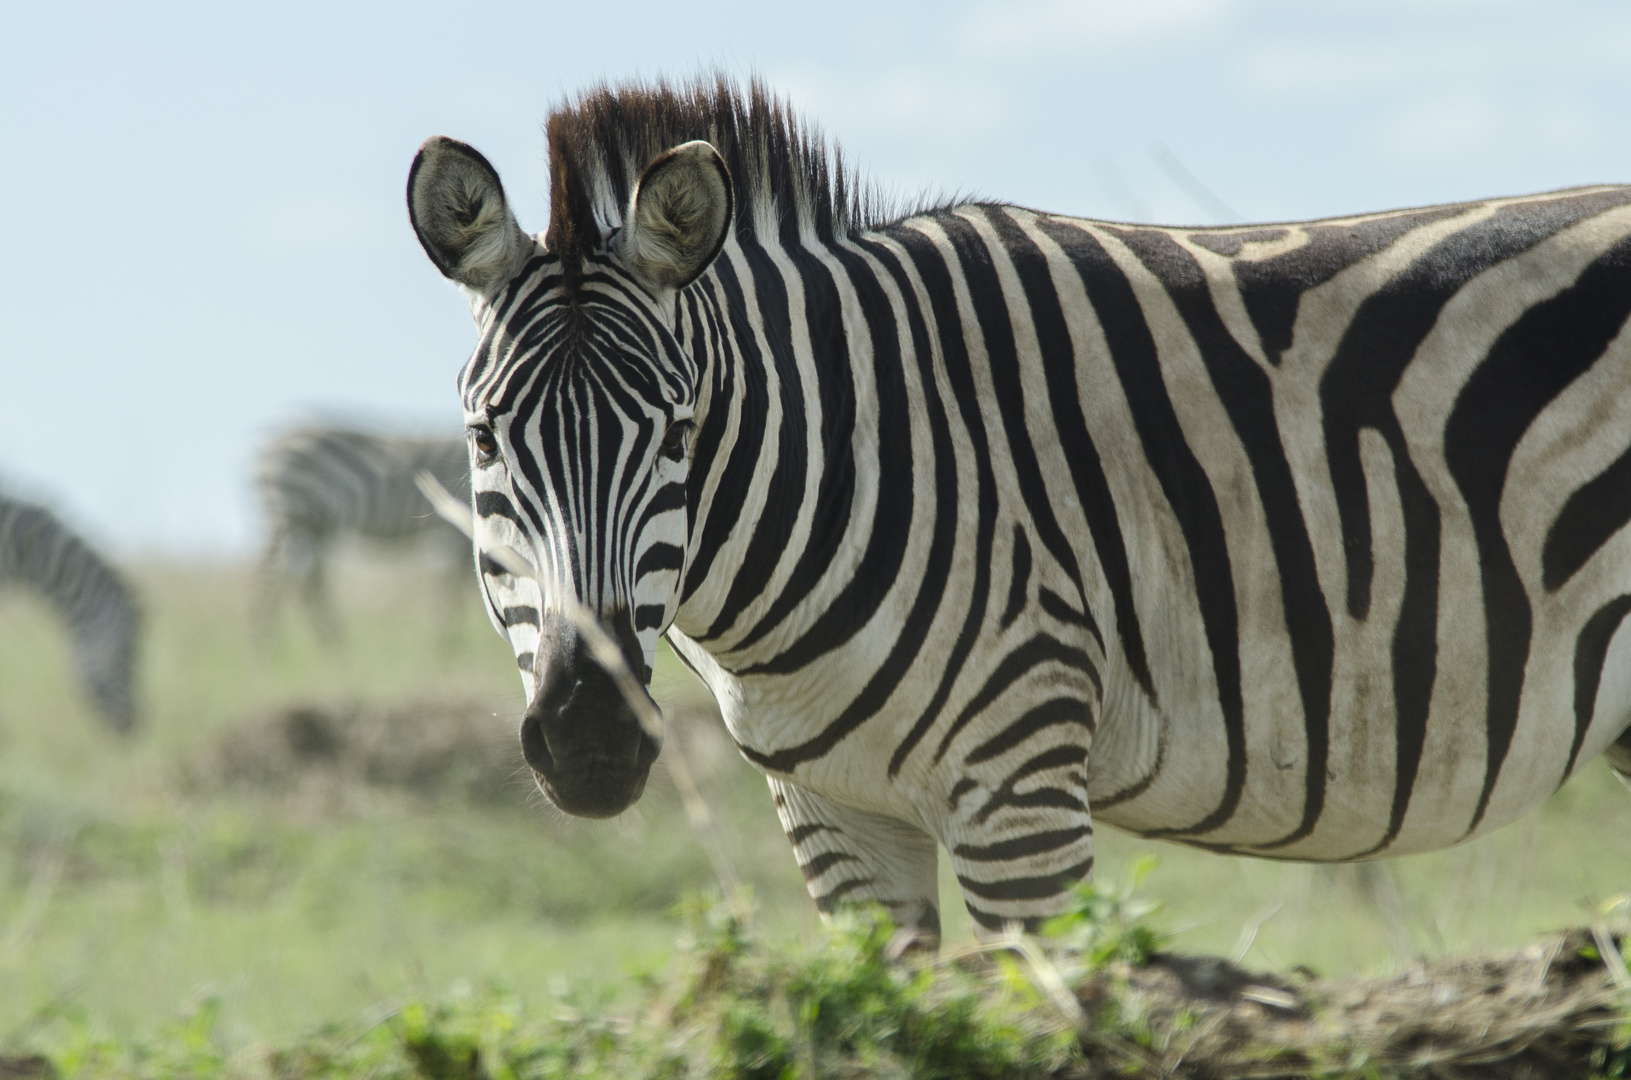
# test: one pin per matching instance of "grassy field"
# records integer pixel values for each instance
(140, 876)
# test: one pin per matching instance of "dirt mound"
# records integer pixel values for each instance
(1547, 1013)
(26, 1067)
(429, 748)
(463, 750)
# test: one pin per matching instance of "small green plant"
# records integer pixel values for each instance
(443, 1043)
(733, 1006)
(1108, 923)
(849, 999)
(64, 1030)
(187, 1048)
(753, 1047)
(729, 1005)
(761, 1013)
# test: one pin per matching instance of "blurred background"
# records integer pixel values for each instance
(205, 243)
(206, 236)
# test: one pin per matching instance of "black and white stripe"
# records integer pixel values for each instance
(38, 552)
(321, 484)
(1301, 540)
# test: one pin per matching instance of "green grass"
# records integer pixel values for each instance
(135, 892)
(130, 893)
(727, 1005)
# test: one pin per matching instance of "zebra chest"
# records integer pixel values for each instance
(801, 728)
(946, 750)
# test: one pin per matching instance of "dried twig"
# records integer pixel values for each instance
(1613, 959)
(1047, 979)
(1248, 932)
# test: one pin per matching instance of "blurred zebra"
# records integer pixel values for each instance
(39, 552)
(318, 484)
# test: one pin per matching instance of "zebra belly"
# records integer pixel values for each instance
(1383, 795)
(1154, 771)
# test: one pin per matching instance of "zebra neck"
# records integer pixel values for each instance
(784, 494)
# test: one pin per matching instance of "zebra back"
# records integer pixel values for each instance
(39, 552)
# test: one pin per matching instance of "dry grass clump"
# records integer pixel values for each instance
(1550, 1012)
(26, 1067)
(333, 753)
(424, 747)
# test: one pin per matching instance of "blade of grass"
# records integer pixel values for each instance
(607, 654)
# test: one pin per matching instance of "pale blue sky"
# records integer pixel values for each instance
(204, 233)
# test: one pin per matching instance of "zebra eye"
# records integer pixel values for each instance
(674, 438)
(481, 436)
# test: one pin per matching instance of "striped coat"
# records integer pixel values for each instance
(39, 553)
(1301, 540)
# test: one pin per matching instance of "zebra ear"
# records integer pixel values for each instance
(459, 212)
(678, 217)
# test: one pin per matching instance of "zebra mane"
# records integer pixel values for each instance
(789, 181)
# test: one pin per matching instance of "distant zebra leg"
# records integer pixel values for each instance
(852, 856)
(270, 578)
(105, 655)
(295, 552)
(1618, 757)
(314, 591)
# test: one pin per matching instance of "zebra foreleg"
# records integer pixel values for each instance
(270, 578)
(850, 856)
(315, 593)
(295, 551)
(1020, 846)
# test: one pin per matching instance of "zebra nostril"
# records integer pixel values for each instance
(646, 751)
(535, 747)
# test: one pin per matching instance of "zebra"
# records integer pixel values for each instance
(319, 483)
(985, 525)
(40, 553)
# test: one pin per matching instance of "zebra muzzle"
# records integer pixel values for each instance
(581, 736)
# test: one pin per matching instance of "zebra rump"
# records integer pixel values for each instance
(39, 552)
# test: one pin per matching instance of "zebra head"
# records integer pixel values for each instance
(579, 404)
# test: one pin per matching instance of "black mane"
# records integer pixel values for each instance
(784, 177)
